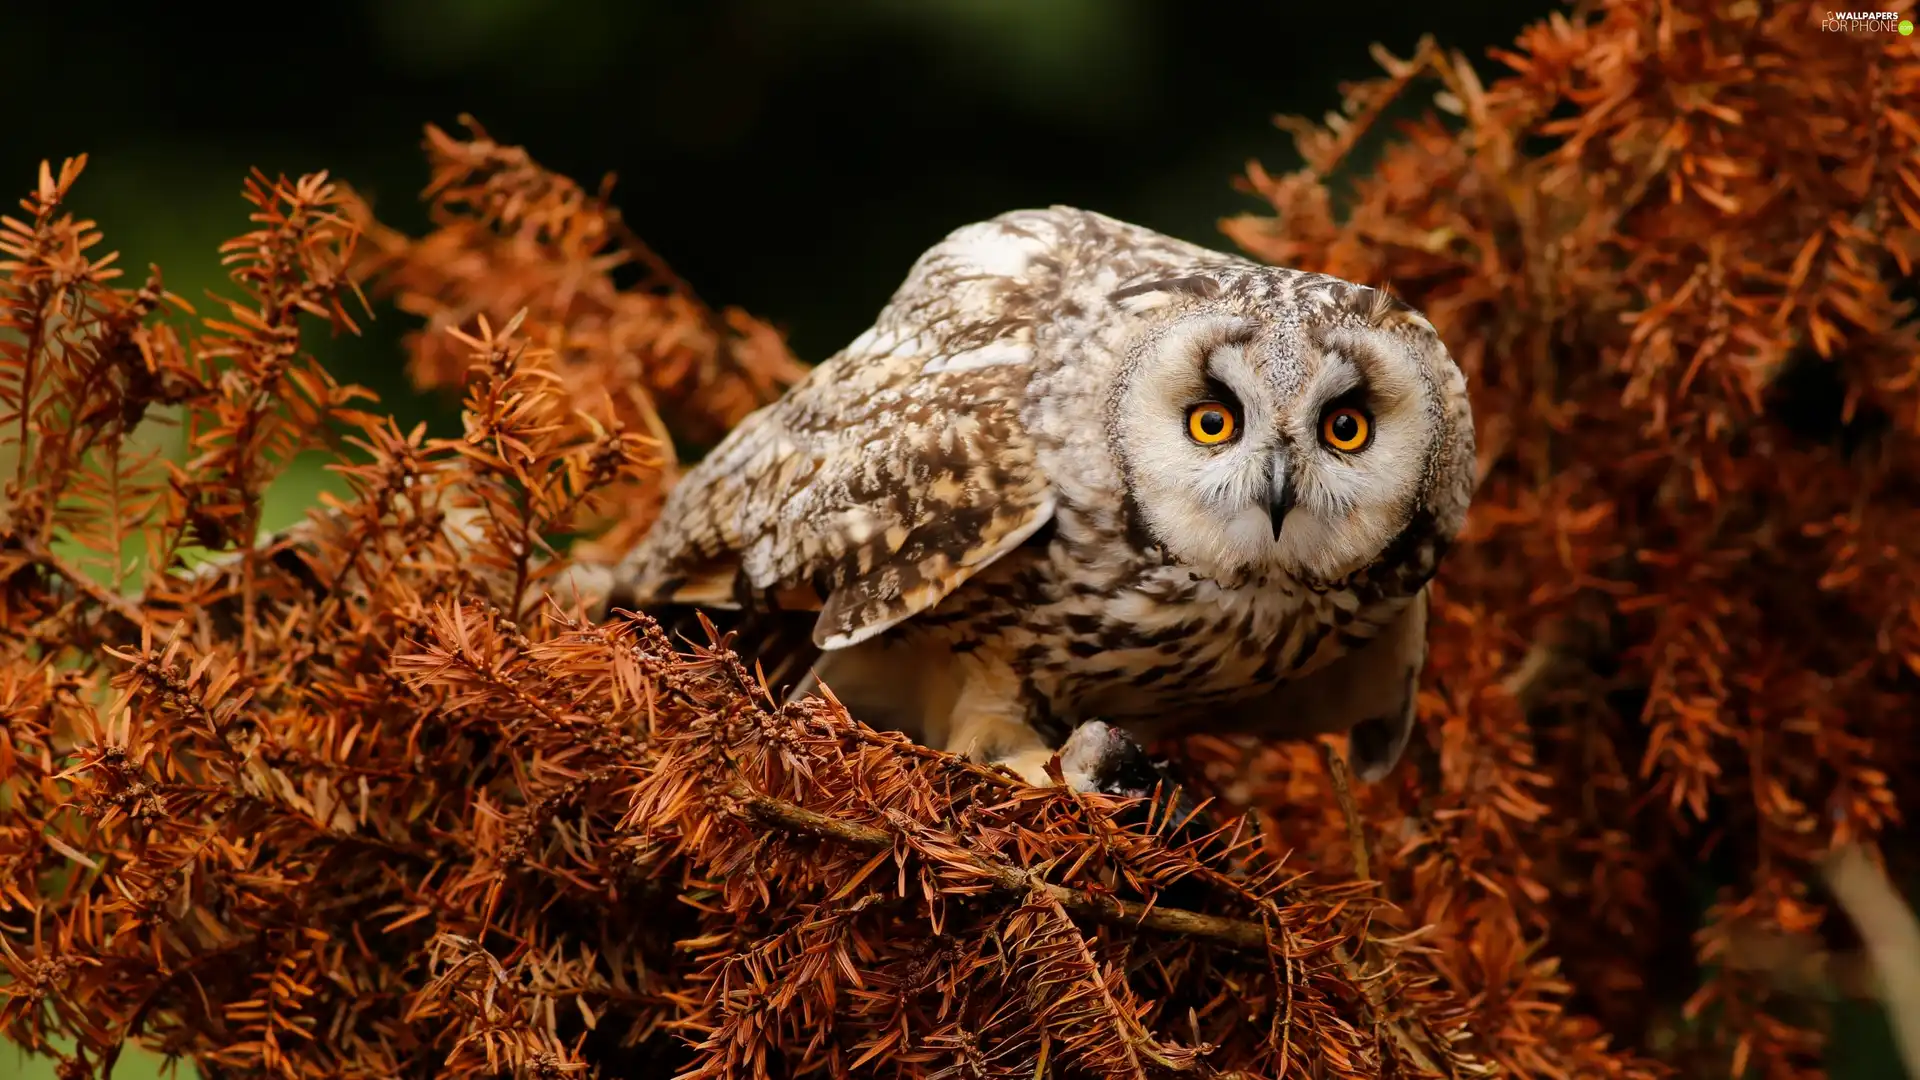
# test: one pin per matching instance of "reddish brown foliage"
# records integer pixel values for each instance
(511, 238)
(1674, 252)
(364, 802)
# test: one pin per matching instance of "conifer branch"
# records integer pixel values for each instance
(1239, 933)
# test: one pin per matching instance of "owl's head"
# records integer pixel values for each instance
(1272, 420)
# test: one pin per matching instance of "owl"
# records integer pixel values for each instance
(1083, 484)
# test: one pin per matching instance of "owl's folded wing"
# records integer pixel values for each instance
(872, 490)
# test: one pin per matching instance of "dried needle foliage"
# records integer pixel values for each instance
(1673, 246)
(512, 238)
(367, 800)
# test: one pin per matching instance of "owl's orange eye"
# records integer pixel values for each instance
(1346, 429)
(1210, 423)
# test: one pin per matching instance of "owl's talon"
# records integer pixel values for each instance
(1099, 757)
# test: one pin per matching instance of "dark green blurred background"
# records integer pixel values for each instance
(788, 156)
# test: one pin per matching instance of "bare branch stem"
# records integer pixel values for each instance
(87, 586)
(1240, 933)
(1342, 780)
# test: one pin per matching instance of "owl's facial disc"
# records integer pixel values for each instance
(1252, 447)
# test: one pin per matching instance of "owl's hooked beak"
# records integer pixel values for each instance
(1280, 492)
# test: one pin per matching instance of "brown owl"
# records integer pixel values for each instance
(1079, 471)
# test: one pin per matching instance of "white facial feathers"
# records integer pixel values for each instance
(1216, 505)
(1189, 493)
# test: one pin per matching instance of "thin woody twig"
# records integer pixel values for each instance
(1240, 933)
(1892, 937)
(1341, 779)
(87, 586)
